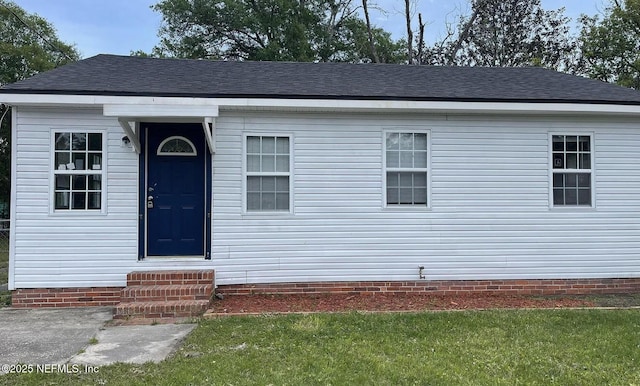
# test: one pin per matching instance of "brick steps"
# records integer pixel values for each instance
(165, 294)
(161, 309)
(173, 292)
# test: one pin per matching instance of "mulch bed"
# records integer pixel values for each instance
(252, 304)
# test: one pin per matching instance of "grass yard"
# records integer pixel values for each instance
(502, 347)
(5, 296)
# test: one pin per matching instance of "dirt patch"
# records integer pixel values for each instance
(385, 302)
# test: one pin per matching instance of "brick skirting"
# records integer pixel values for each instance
(66, 297)
(444, 287)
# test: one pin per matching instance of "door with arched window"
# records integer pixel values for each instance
(175, 187)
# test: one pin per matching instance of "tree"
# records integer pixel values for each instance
(611, 47)
(507, 33)
(285, 30)
(28, 45)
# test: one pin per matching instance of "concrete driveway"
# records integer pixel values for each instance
(56, 336)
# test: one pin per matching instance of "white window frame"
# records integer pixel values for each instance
(592, 170)
(53, 171)
(405, 130)
(246, 174)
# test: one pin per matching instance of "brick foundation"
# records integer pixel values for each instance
(66, 297)
(445, 287)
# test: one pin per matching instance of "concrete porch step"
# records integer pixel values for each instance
(161, 309)
(172, 292)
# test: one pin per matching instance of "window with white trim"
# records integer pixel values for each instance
(406, 168)
(268, 173)
(572, 173)
(78, 171)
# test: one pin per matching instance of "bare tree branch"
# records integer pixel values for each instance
(407, 12)
(372, 45)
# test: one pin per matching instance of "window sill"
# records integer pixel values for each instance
(572, 208)
(78, 213)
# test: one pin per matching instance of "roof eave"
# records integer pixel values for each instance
(309, 103)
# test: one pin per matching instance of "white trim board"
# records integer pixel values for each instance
(204, 107)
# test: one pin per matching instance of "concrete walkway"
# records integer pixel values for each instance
(57, 336)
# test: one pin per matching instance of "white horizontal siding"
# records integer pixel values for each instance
(490, 215)
(72, 249)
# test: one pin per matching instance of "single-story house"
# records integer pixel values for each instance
(320, 177)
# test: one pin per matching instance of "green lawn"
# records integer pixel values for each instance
(5, 296)
(543, 347)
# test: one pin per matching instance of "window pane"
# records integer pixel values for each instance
(95, 182)
(282, 145)
(572, 143)
(253, 184)
(268, 184)
(406, 179)
(268, 163)
(420, 196)
(393, 179)
(585, 161)
(393, 159)
(78, 141)
(558, 143)
(282, 201)
(253, 145)
(421, 142)
(558, 196)
(95, 161)
(268, 145)
(282, 184)
(584, 196)
(393, 142)
(584, 180)
(585, 143)
(253, 201)
(63, 182)
(253, 163)
(62, 159)
(78, 160)
(420, 179)
(62, 200)
(78, 200)
(95, 141)
(420, 159)
(571, 197)
(62, 141)
(570, 180)
(572, 161)
(282, 163)
(393, 195)
(406, 159)
(406, 141)
(94, 200)
(558, 180)
(558, 160)
(268, 201)
(79, 182)
(406, 196)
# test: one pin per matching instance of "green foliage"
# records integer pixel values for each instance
(25, 51)
(278, 30)
(509, 33)
(611, 46)
(543, 347)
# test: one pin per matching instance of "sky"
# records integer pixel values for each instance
(121, 26)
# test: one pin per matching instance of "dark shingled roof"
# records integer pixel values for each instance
(125, 75)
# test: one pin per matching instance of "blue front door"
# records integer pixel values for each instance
(175, 189)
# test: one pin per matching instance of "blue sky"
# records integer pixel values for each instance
(121, 26)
